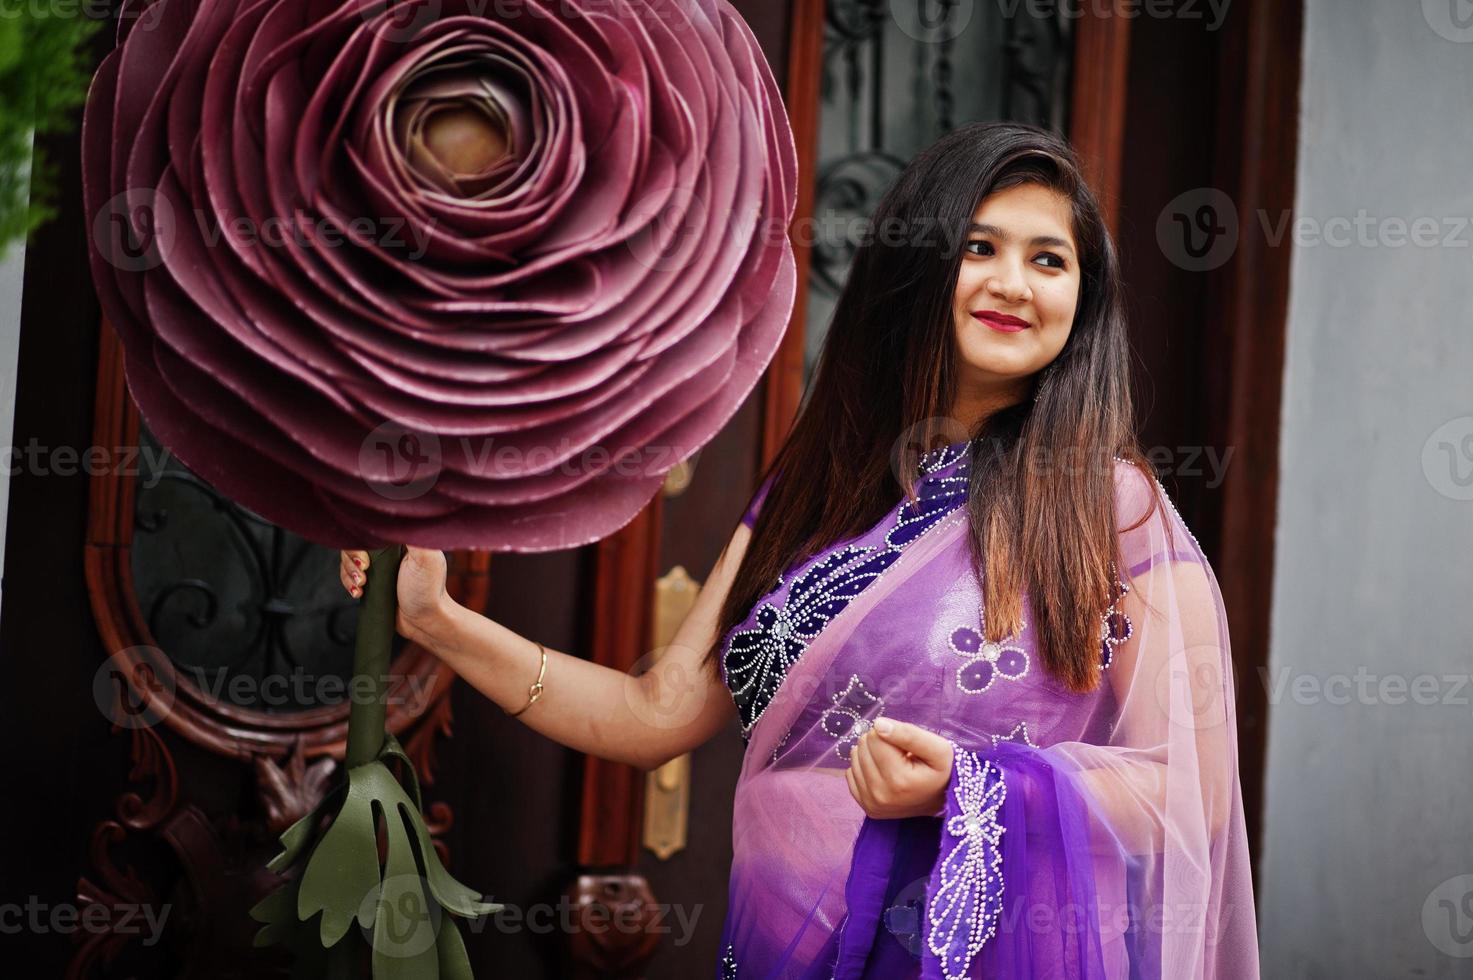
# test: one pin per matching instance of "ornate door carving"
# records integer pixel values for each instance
(229, 659)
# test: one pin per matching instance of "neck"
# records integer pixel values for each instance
(973, 405)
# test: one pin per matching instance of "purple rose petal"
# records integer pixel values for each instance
(449, 275)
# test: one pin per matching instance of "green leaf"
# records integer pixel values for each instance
(296, 837)
(405, 925)
(278, 912)
(392, 749)
(44, 72)
(458, 898)
(343, 867)
(455, 964)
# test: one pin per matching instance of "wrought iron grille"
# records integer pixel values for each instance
(897, 74)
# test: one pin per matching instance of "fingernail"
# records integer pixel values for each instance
(884, 726)
(358, 562)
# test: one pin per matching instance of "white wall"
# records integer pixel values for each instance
(1369, 804)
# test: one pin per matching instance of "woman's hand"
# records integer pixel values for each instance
(423, 599)
(900, 770)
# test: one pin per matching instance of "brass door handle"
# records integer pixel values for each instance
(667, 789)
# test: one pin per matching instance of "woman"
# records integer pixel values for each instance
(980, 663)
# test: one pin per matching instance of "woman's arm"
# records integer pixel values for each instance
(645, 720)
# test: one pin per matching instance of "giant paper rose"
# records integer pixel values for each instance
(454, 273)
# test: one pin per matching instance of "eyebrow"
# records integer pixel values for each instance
(995, 232)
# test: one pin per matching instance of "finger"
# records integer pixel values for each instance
(358, 558)
(928, 747)
(890, 760)
(853, 782)
(349, 575)
(863, 794)
(860, 760)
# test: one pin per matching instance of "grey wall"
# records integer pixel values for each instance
(12, 262)
(1369, 809)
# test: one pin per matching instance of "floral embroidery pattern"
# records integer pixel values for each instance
(966, 890)
(1115, 627)
(757, 659)
(986, 660)
(846, 721)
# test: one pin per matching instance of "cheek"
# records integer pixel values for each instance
(1057, 303)
(966, 287)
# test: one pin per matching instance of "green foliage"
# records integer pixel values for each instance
(43, 78)
(399, 897)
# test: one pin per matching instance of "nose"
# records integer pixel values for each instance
(1009, 284)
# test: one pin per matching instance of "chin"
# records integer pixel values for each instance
(994, 366)
(989, 375)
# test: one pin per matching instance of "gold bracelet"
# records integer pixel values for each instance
(535, 691)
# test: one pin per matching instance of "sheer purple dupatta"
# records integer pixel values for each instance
(1009, 882)
(1085, 835)
(794, 823)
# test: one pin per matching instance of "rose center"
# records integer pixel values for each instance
(463, 140)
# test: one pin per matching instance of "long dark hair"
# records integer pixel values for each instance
(886, 378)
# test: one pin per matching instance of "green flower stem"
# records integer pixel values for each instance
(402, 899)
(372, 652)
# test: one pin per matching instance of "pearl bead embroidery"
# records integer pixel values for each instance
(849, 718)
(778, 748)
(1115, 627)
(967, 887)
(986, 660)
(756, 660)
(1018, 734)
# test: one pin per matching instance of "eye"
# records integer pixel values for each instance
(1051, 257)
(982, 242)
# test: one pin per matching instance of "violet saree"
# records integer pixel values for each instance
(1085, 835)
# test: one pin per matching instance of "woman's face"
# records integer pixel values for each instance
(1016, 292)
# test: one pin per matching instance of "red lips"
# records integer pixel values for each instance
(1001, 321)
